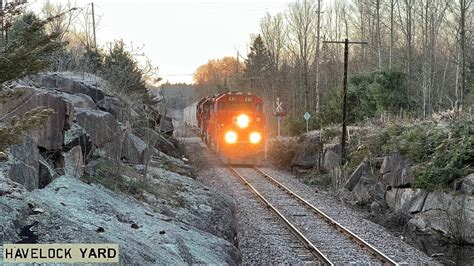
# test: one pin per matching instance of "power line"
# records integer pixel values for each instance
(172, 75)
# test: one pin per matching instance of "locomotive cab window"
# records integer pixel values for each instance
(247, 106)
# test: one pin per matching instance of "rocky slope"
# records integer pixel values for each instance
(383, 184)
(101, 170)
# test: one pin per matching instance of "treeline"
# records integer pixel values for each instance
(419, 58)
(219, 75)
(60, 38)
(177, 96)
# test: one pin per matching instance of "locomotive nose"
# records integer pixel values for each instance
(243, 121)
(230, 137)
(255, 137)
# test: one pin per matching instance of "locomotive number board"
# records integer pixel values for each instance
(234, 99)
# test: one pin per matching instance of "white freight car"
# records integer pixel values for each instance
(189, 115)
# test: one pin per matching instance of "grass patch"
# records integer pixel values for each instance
(118, 177)
(364, 143)
(122, 178)
(322, 181)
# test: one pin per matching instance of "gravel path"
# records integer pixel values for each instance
(264, 240)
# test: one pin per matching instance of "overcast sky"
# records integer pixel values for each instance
(180, 35)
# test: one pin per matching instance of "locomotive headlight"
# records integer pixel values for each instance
(255, 137)
(243, 121)
(230, 137)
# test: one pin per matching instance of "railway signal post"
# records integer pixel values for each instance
(279, 113)
(346, 43)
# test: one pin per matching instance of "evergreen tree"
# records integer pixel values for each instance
(27, 52)
(28, 49)
(94, 60)
(124, 74)
(257, 64)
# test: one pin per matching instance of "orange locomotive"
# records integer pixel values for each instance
(232, 124)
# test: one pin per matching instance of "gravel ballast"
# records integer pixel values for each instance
(374, 234)
(334, 245)
(263, 239)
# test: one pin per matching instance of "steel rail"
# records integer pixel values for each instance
(312, 248)
(349, 234)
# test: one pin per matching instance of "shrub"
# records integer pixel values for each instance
(281, 152)
(443, 152)
(365, 144)
(451, 158)
(327, 134)
(331, 111)
(369, 94)
(294, 126)
(417, 141)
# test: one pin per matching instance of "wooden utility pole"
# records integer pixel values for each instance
(4, 22)
(346, 43)
(462, 39)
(318, 57)
(238, 69)
(1, 22)
(93, 26)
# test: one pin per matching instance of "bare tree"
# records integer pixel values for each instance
(407, 20)
(273, 35)
(301, 39)
(63, 25)
(379, 35)
(393, 4)
(429, 40)
(83, 28)
(462, 13)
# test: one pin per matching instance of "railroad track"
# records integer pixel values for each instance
(327, 240)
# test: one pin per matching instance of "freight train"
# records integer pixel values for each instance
(232, 124)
